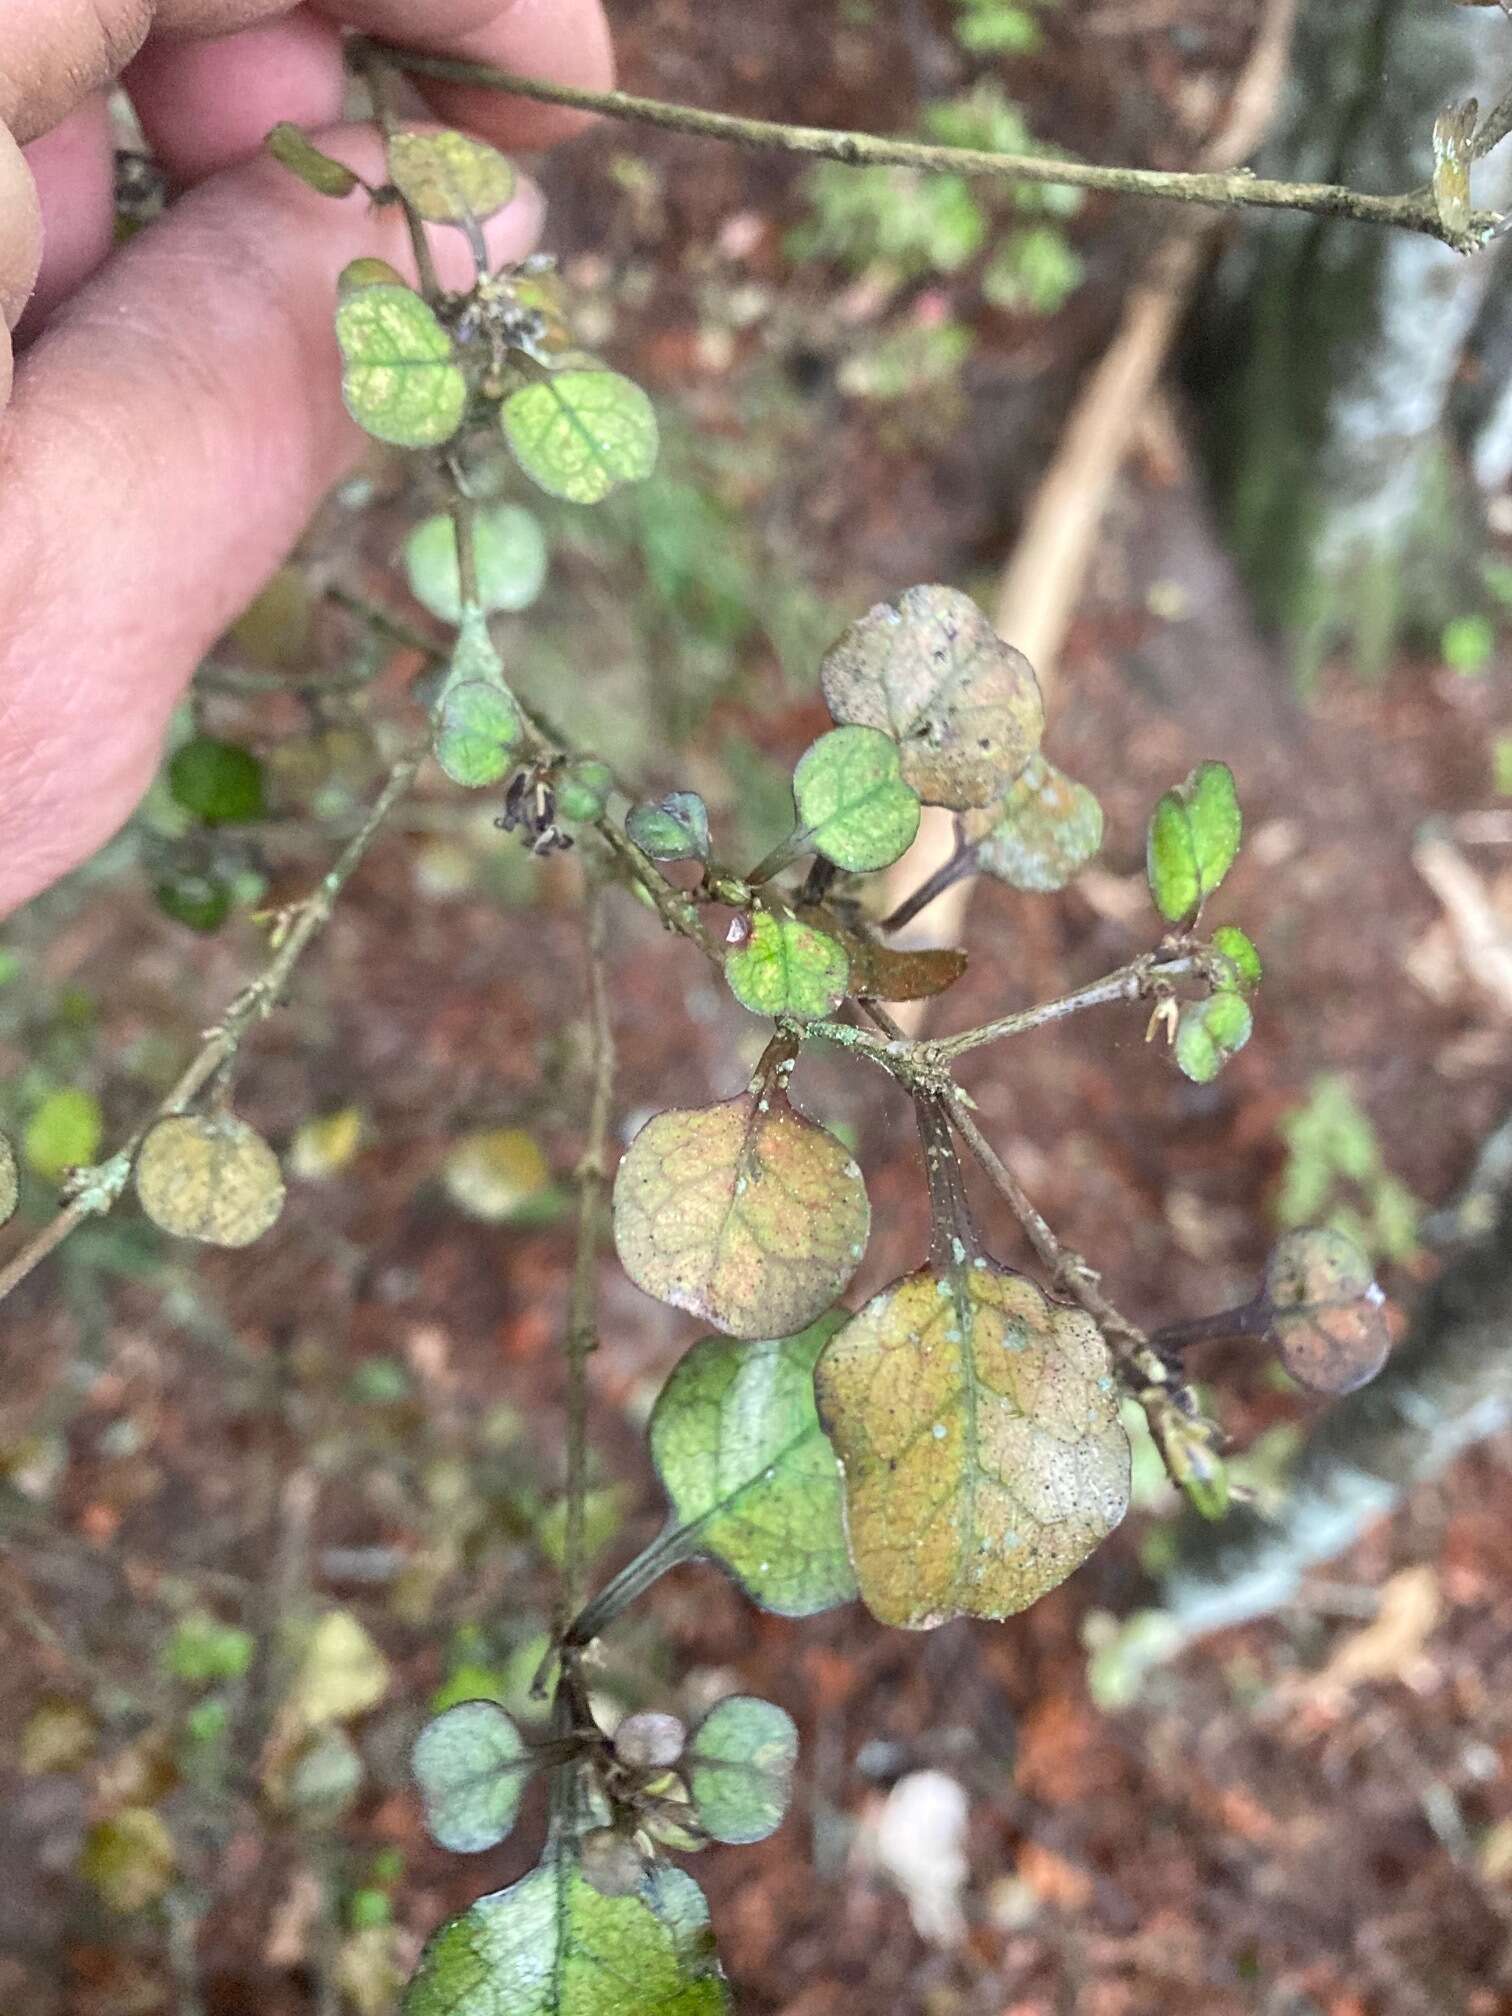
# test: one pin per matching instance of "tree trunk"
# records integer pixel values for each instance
(1330, 351)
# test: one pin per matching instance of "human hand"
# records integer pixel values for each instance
(175, 412)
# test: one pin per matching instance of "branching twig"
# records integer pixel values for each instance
(98, 1188)
(1413, 210)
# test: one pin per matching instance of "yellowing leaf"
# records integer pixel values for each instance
(581, 434)
(323, 1147)
(400, 378)
(977, 1426)
(931, 671)
(209, 1177)
(449, 177)
(341, 1673)
(744, 1214)
(1453, 133)
(129, 1859)
(787, 968)
(495, 1173)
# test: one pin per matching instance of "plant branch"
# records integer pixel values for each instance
(582, 1306)
(1414, 210)
(97, 1189)
(376, 67)
(1146, 975)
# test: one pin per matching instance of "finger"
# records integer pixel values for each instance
(56, 52)
(206, 105)
(20, 246)
(73, 168)
(566, 40)
(168, 437)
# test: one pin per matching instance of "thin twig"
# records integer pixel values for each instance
(1141, 976)
(1413, 210)
(98, 1188)
(376, 67)
(582, 1308)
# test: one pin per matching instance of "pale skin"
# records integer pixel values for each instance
(171, 410)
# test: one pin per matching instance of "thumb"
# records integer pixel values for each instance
(168, 438)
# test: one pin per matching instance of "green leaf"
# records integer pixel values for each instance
(931, 671)
(400, 378)
(129, 1859)
(509, 549)
(293, 148)
(219, 782)
(202, 1650)
(977, 1428)
(1041, 833)
(1171, 860)
(853, 804)
(448, 177)
(64, 1133)
(581, 434)
(552, 1945)
(1217, 824)
(1238, 947)
(191, 896)
(477, 727)
(581, 788)
(736, 1441)
(745, 1214)
(10, 1188)
(367, 272)
(471, 1765)
(675, 828)
(788, 968)
(1327, 1315)
(210, 1177)
(1209, 1032)
(740, 1768)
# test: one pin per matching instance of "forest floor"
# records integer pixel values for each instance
(1309, 1816)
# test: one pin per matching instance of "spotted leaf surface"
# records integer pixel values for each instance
(209, 1177)
(1327, 1315)
(736, 1441)
(552, 1945)
(400, 378)
(581, 434)
(740, 1768)
(1045, 830)
(449, 177)
(744, 1214)
(930, 670)
(788, 968)
(977, 1428)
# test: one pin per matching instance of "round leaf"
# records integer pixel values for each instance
(931, 671)
(581, 434)
(788, 968)
(581, 788)
(477, 727)
(496, 1174)
(740, 1768)
(209, 1177)
(745, 1214)
(471, 1764)
(1328, 1317)
(219, 782)
(64, 1133)
(675, 828)
(10, 1188)
(1238, 947)
(448, 177)
(649, 1741)
(1209, 1032)
(977, 1428)
(736, 1441)
(400, 378)
(294, 149)
(852, 801)
(1044, 831)
(509, 549)
(553, 1945)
